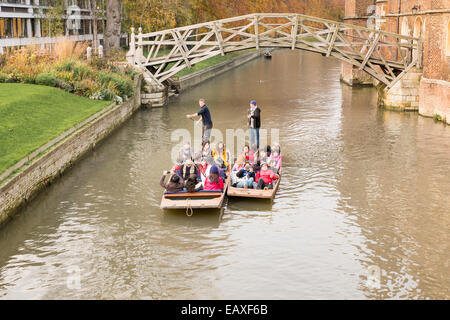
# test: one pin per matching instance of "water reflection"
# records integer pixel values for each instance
(361, 187)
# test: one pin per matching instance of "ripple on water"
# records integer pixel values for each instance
(361, 188)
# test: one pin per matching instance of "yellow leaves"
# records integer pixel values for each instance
(153, 15)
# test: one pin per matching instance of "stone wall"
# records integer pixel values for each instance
(404, 95)
(435, 99)
(430, 19)
(17, 190)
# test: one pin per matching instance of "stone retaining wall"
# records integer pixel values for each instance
(404, 95)
(20, 188)
(435, 99)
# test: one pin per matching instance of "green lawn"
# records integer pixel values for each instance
(32, 115)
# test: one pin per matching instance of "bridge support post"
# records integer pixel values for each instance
(354, 77)
(132, 52)
(404, 95)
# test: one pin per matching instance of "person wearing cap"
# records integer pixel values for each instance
(214, 181)
(254, 123)
(206, 119)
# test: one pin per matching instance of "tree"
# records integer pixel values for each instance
(113, 26)
(94, 25)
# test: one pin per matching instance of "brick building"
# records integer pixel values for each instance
(429, 19)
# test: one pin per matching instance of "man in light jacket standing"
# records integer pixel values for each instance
(254, 122)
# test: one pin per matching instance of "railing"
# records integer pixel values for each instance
(385, 56)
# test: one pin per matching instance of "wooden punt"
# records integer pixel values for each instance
(253, 193)
(197, 200)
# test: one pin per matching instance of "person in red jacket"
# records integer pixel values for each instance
(266, 177)
(214, 181)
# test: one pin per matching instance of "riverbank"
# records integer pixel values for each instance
(193, 77)
(36, 116)
(50, 161)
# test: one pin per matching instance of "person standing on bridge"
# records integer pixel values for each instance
(254, 122)
(205, 117)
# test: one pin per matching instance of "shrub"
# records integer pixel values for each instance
(86, 88)
(66, 65)
(123, 86)
(46, 79)
(64, 85)
(81, 72)
(108, 94)
(98, 63)
(437, 117)
(3, 77)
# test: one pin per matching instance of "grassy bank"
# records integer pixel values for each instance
(32, 115)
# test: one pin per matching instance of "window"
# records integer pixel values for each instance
(12, 28)
(405, 28)
(418, 27)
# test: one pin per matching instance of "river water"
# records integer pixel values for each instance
(363, 209)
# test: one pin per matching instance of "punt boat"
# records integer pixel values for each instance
(253, 193)
(198, 200)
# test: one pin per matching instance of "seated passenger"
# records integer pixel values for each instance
(185, 153)
(253, 154)
(265, 178)
(246, 153)
(268, 150)
(262, 155)
(192, 184)
(204, 153)
(203, 169)
(239, 164)
(214, 181)
(273, 166)
(175, 183)
(245, 177)
(221, 156)
(276, 156)
(187, 169)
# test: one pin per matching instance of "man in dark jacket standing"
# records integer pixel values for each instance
(206, 119)
(254, 122)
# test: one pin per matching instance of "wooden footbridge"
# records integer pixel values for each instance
(385, 56)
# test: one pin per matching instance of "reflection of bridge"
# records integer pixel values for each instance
(385, 56)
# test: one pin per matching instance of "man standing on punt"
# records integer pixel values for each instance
(205, 117)
(254, 122)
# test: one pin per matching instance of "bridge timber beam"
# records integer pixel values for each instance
(385, 56)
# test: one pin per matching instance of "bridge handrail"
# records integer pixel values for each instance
(275, 15)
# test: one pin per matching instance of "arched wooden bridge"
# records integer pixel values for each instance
(385, 56)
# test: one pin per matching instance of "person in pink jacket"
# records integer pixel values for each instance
(214, 181)
(276, 156)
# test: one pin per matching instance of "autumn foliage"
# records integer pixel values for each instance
(154, 15)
